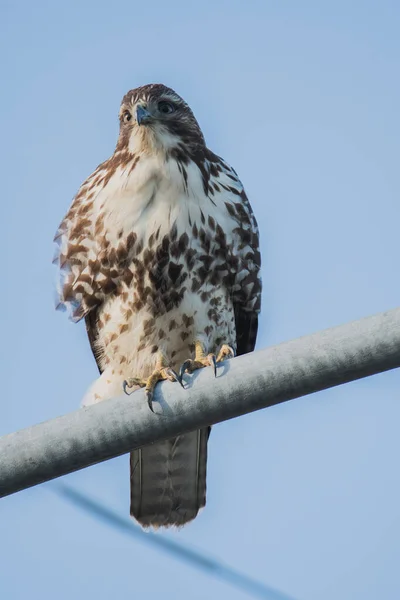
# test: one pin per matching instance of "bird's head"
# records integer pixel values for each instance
(154, 118)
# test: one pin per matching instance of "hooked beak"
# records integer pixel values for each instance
(142, 115)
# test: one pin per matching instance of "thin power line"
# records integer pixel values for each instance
(181, 552)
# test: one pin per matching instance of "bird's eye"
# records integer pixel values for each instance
(166, 107)
(127, 116)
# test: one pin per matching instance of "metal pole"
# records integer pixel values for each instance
(244, 384)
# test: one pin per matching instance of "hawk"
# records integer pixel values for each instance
(159, 254)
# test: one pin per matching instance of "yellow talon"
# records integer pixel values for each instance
(161, 373)
(202, 360)
(225, 352)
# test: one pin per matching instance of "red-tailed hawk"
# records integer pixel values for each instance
(159, 253)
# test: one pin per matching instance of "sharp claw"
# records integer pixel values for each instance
(174, 376)
(149, 397)
(214, 364)
(183, 368)
(126, 385)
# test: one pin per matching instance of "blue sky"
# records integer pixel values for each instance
(302, 98)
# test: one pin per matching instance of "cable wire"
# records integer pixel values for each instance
(180, 551)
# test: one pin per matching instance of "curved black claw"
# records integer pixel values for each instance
(149, 396)
(174, 376)
(183, 369)
(126, 385)
(214, 364)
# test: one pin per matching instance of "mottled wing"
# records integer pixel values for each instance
(247, 296)
(245, 252)
(93, 332)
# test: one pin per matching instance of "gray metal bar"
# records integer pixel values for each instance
(244, 384)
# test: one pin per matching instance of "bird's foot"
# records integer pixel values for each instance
(159, 374)
(191, 365)
(202, 360)
(226, 352)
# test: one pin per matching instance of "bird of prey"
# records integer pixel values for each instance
(159, 254)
